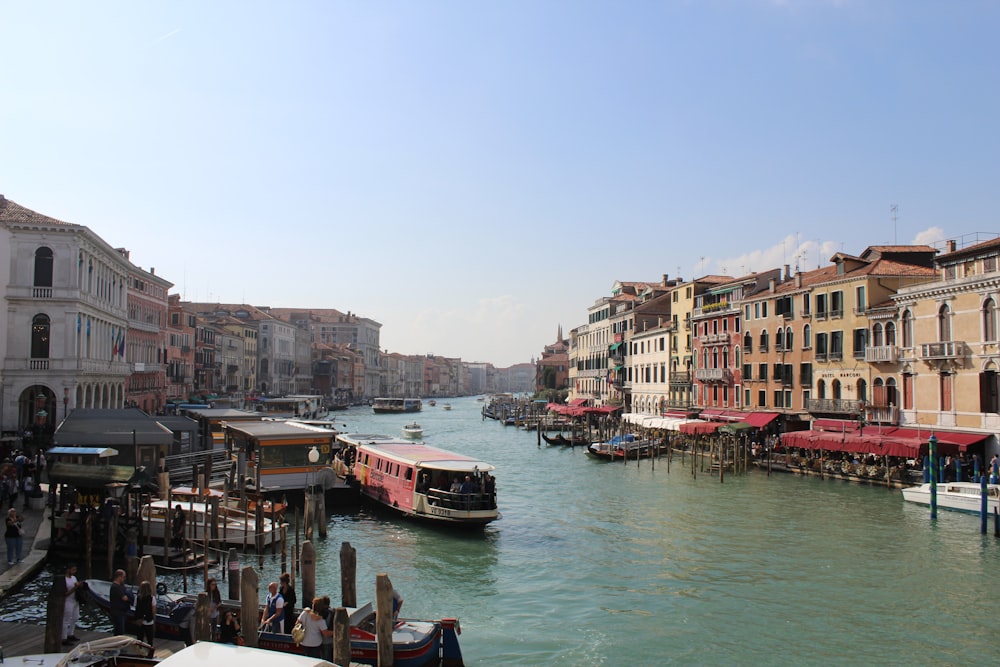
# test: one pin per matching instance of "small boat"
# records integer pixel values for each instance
(621, 447)
(392, 406)
(446, 406)
(561, 440)
(432, 402)
(416, 643)
(958, 496)
(117, 651)
(413, 431)
(210, 654)
(415, 479)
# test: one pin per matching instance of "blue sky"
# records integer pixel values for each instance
(474, 174)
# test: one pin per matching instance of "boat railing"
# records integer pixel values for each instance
(461, 501)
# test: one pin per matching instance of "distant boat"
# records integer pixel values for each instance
(446, 406)
(383, 406)
(413, 431)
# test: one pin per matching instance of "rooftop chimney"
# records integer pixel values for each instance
(665, 278)
(950, 246)
(798, 280)
(788, 272)
(770, 285)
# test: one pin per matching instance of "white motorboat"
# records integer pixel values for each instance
(413, 431)
(959, 496)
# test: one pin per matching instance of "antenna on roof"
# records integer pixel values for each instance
(893, 210)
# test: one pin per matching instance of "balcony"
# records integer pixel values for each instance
(876, 414)
(836, 356)
(834, 406)
(41, 293)
(680, 378)
(951, 349)
(711, 374)
(882, 354)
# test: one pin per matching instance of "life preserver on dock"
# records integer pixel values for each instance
(161, 588)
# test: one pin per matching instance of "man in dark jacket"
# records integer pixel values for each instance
(120, 601)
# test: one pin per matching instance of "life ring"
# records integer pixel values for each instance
(161, 588)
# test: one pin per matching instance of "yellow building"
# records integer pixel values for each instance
(949, 354)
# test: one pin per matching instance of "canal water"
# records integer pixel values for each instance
(610, 564)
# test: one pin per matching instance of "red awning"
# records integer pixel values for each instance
(678, 415)
(760, 419)
(603, 410)
(734, 416)
(699, 428)
(711, 412)
(578, 401)
(840, 425)
(852, 442)
(960, 439)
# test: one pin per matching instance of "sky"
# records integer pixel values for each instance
(474, 175)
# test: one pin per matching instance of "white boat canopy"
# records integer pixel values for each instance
(210, 654)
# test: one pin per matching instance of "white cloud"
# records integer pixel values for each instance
(799, 255)
(929, 236)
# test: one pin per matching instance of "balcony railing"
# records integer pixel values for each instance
(711, 374)
(882, 354)
(680, 378)
(41, 292)
(875, 414)
(951, 349)
(834, 406)
(714, 339)
(836, 356)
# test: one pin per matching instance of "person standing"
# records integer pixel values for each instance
(14, 536)
(214, 600)
(71, 606)
(287, 591)
(316, 629)
(397, 604)
(272, 618)
(229, 631)
(120, 601)
(145, 613)
(177, 524)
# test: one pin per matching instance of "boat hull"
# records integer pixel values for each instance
(956, 496)
(416, 643)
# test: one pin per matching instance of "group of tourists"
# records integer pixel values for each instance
(19, 476)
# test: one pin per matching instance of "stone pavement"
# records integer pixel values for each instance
(37, 535)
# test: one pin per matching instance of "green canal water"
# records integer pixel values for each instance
(610, 564)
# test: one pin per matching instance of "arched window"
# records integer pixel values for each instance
(725, 357)
(944, 323)
(820, 389)
(862, 390)
(715, 357)
(989, 320)
(907, 329)
(890, 333)
(739, 358)
(763, 341)
(788, 338)
(835, 389)
(43, 267)
(40, 337)
(806, 337)
(779, 339)
(748, 342)
(877, 335)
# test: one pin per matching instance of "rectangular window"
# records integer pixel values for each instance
(762, 372)
(805, 304)
(836, 345)
(756, 311)
(821, 346)
(861, 303)
(860, 343)
(763, 308)
(988, 395)
(805, 374)
(805, 397)
(762, 398)
(821, 305)
(989, 264)
(837, 304)
(746, 397)
(779, 398)
(747, 372)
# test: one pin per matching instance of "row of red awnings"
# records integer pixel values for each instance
(886, 441)
(577, 409)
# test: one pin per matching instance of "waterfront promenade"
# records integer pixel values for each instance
(37, 534)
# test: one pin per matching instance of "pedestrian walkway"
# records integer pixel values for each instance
(37, 535)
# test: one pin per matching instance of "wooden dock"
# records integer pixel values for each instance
(29, 639)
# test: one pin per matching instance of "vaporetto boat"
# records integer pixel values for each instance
(416, 480)
(958, 496)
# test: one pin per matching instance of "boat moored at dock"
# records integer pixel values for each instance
(958, 496)
(421, 481)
